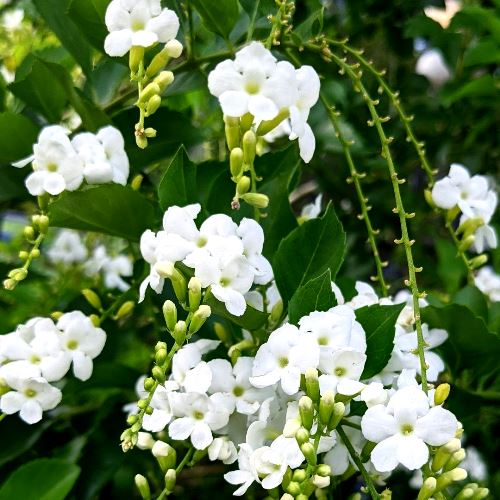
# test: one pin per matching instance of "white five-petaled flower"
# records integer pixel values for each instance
(112, 268)
(342, 370)
(404, 428)
(489, 283)
(432, 65)
(138, 23)
(67, 248)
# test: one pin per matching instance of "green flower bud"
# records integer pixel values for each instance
(199, 318)
(161, 356)
(312, 384)
(236, 162)
(43, 223)
(142, 483)
(293, 488)
(306, 410)
(455, 460)
(158, 374)
(19, 274)
(149, 132)
(444, 453)
(441, 394)
(170, 314)
(481, 493)
(92, 298)
(466, 494)
(449, 477)
(125, 309)
(286, 496)
(428, 198)
(287, 477)
(148, 383)
(243, 186)
(179, 332)
(135, 58)
(256, 200)
(246, 122)
(326, 403)
(165, 454)
(194, 293)
(337, 415)
(168, 270)
(222, 333)
(158, 62)
(266, 126)
(151, 90)
(232, 130)
(249, 143)
(466, 243)
(427, 489)
(141, 141)
(174, 48)
(309, 453)
(299, 475)
(478, 261)
(35, 253)
(302, 436)
(153, 104)
(96, 321)
(170, 479)
(164, 79)
(131, 419)
(23, 254)
(324, 470)
(386, 495)
(29, 233)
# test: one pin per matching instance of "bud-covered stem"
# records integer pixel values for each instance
(180, 467)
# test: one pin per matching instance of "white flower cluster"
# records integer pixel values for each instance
(225, 256)
(138, 23)
(61, 164)
(257, 405)
(256, 83)
(68, 248)
(475, 199)
(488, 282)
(432, 65)
(40, 352)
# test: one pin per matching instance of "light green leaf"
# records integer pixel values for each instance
(220, 16)
(88, 15)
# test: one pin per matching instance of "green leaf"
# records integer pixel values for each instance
(308, 251)
(88, 15)
(484, 86)
(450, 269)
(315, 295)
(474, 299)
(379, 323)
(485, 52)
(55, 14)
(17, 136)
(42, 479)
(178, 184)
(311, 27)
(251, 320)
(278, 170)
(219, 17)
(110, 209)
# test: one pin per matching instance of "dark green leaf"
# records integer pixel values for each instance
(311, 26)
(379, 323)
(88, 15)
(178, 184)
(474, 299)
(315, 295)
(17, 135)
(219, 17)
(43, 479)
(308, 251)
(251, 320)
(484, 86)
(111, 209)
(485, 52)
(450, 269)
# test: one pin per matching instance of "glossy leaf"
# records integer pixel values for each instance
(23, 130)
(219, 17)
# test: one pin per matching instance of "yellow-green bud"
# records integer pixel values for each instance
(326, 403)
(293, 489)
(232, 130)
(478, 261)
(153, 104)
(23, 254)
(170, 314)
(179, 332)
(286, 496)
(164, 79)
(470, 226)
(35, 253)
(56, 315)
(287, 477)
(276, 313)
(481, 493)
(194, 293)
(92, 298)
(386, 495)
(29, 232)
(312, 384)
(131, 419)
(302, 435)
(337, 415)
(96, 321)
(466, 494)
(246, 122)
(256, 200)
(125, 309)
(249, 143)
(449, 477)
(427, 489)
(165, 454)
(161, 356)
(142, 485)
(19, 274)
(243, 185)
(174, 48)
(266, 126)
(136, 182)
(306, 410)
(299, 475)
(324, 470)
(441, 394)
(158, 374)
(321, 481)
(158, 62)
(428, 198)
(199, 318)
(309, 453)
(141, 141)
(135, 58)
(150, 132)
(151, 90)
(466, 243)
(149, 383)
(455, 460)
(222, 333)
(170, 479)
(236, 162)
(444, 453)
(43, 223)
(168, 270)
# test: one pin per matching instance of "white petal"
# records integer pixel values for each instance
(262, 107)
(437, 427)
(201, 437)
(412, 452)
(307, 144)
(377, 424)
(445, 194)
(34, 183)
(234, 103)
(31, 412)
(118, 43)
(82, 365)
(54, 183)
(181, 428)
(385, 455)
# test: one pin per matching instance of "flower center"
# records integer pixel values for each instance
(252, 88)
(406, 429)
(238, 391)
(137, 25)
(30, 393)
(202, 241)
(52, 167)
(35, 359)
(323, 341)
(198, 415)
(283, 361)
(340, 372)
(72, 345)
(225, 281)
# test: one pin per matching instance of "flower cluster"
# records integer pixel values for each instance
(40, 352)
(271, 92)
(138, 23)
(489, 283)
(61, 164)
(474, 200)
(291, 403)
(225, 256)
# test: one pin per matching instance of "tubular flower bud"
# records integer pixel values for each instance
(135, 58)
(199, 318)
(174, 48)
(158, 374)
(179, 332)
(158, 62)
(312, 384)
(243, 185)
(152, 89)
(236, 162)
(337, 415)
(444, 453)
(441, 394)
(302, 436)
(449, 477)
(142, 483)
(164, 79)
(92, 298)
(326, 404)
(249, 143)
(306, 410)
(427, 489)
(478, 261)
(153, 104)
(232, 130)
(266, 126)
(309, 452)
(165, 454)
(194, 293)
(455, 460)
(257, 200)
(125, 309)
(170, 314)
(170, 479)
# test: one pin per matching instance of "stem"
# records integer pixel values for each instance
(253, 19)
(461, 253)
(191, 45)
(355, 457)
(178, 470)
(2, 416)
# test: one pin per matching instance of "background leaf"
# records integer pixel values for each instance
(24, 131)
(220, 16)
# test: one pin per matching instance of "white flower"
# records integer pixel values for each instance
(366, 296)
(432, 65)
(57, 166)
(140, 23)
(312, 210)
(484, 237)
(223, 449)
(103, 155)
(162, 413)
(342, 371)
(474, 464)
(374, 394)
(113, 268)
(489, 283)
(82, 341)
(12, 19)
(197, 416)
(30, 397)
(285, 356)
(67, 248)
(246, 473)
(443, 16)
(404, 428)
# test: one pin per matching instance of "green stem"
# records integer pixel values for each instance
(355, 457)
(460, 252)
(253, 19)
(178, 470)
(2, 416)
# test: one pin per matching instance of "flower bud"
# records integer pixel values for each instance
(141, 482)
(131, 419)
(256, 200)
(478, 261)
(161, 356)
(29, 233)
(167, 270)
(148, 383)
(222, 333)
(149, 132)
(56, 315)
(444, 453)
(170, 479)
(309, 453)
(321, 481)
(276, 312)
(441, 394)
(158, 374)
(312, 384)
(174, 48)
(302, 435)
(299, 475)
(96, 321)
(455, 460)
(170, 314)
(125, 309)
(145, 441)
(291, 427)
(324, 470)
(153, 104)
(337, 415)
(151, 90)
(236, 162)
(449, 477)
(306, 410)
(165, 454)
(194, 293)
(158, 62)
(481, 493)
(164, 79)
(429, 199)
(141, 141)
(43, 223)
(199, 318)
(35, 253)
(466, 494)
(266, 126)
(23, 254)
(466, 243)
(386, 494)
(232, 130)
(135, 58)
(246, 122)
(19, 274)
(179, 332)
(293, 488)
(326, 403)
(243, 186)
(428, 488)
(249, 143)
(286, 496)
